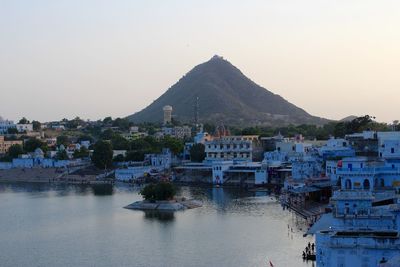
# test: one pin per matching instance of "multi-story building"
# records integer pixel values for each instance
(362, 173)
(28, 127)
(180, 132)
(5, 145)
(306, 167)
(238, 148)
(336, 148)
(5, 125)
(356, 233)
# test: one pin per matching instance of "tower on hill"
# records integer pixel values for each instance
(167, 114)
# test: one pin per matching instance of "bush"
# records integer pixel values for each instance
(159, 191)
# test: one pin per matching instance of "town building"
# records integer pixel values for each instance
(6, 144)
(336, 148)
(357, 233)
(181, 132)
(237, 148)
(28, 127)
(5, 125)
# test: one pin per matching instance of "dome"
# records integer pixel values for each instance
(167, 108)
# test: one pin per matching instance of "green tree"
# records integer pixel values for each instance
(81, 153)
(63, 140)
(23, 121)
(36, 125)
(197, 153)
(107, 120)
(15, 150)
(85, 137)
(119, 158)
(122, 124)
(32, 144)
(135, 156)
(159, 191)
(174, 144)
(107, 134)
(62, 155)
(120, 143)
(12, 130)
(102, 155)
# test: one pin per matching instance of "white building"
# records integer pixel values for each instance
(5, 125)
(28, 127)
(131, 173)
(238, 148)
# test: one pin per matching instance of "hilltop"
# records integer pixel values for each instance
(225, 95)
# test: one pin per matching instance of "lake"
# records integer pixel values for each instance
(59, 225)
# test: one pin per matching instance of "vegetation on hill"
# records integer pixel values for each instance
(227, 95)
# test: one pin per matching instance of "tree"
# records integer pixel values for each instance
(15, 150)
(119, 158)
(107, 134)
(102, 155)
(122, 124)
(12, 130)
(32, 144)
(135, 156)
(36, 125)
(81, 153)
(174, 144)
(197, 153)
(23, 121)
(120, 143)
(63, 140)
(160, 191)
(62, 155)
(85, 137)
(107, 120)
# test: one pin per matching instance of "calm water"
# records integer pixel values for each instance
(43, 225)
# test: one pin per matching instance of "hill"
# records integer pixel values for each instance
(225, 95)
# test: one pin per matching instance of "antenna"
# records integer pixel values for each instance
(196, 111)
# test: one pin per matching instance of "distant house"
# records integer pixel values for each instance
(28, 127)
(5, 145)
(5, 125)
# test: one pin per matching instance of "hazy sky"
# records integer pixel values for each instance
(97, 58)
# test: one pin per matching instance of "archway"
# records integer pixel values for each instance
(348, 184)
(366, 184)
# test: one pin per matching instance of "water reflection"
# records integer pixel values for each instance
(163, 216)
(103, 190)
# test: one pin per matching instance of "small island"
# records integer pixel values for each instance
(161, 197)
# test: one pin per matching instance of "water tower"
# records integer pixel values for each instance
(167, 114)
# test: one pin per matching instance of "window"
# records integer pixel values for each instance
(392, 150)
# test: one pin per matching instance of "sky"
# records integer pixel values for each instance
(96, 58)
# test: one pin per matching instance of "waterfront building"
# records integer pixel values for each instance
(131, 173)
(364, 173)
(160, 161)
(6, 144)
(356, 233)
(228, 148)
